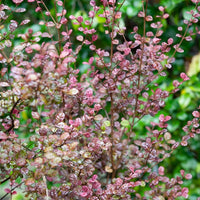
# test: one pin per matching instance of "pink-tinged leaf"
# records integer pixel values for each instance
(156, 40)
(45, 34)
(41, 23)
(169, 66)
(72, 17)
(115, 42)
(184, 76)
(185, 21)
(92, 3)
(175, 145)
(50, 24)
(60, 3)
(132, 169)
(171, 60)
(29, 50)
(188, 38)
(79, 19)
(91, 14)
(64, 54)
(185, 192)
(65, 136)
(83, 194)
(149, 34)
(3, 71)
(7, 190)
(29, 181)
(80, 38)
(196, 114)
(35, 115)
(179, 50)
(118, 15)
(17, 1)
(176, 83)
(161, 8)
(178, 35)
(149, 18)
(35, 47)
(188, 176)
(127, 51)
(170, 41)
(167, 118)
(37, 34)
(159, 33)
(119, 182)
(81, 29)
(13, 25)
(26, 21)
(31, 77)
(38, 9)
(4, 84)
(135, 29)
(154, 25)
(180, 28)
(182, 172)
(87, 22)
(91, 60)
(13, 135)
(94, 37)
(121, 47)
(184, 143)
(63, 20)
(162, 118)
(64, 33)
(166, 15)
(69, 59)
(78, 49)
(141, 14)
(14, 192)
(161, 170)
(87, 42)
(58, 26)
(167, 136)
(92, 47)
(20, 10)
(3, 136)
(195, 20)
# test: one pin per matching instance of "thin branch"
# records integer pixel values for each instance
(4, 180)
(4, 196)
(12, 119)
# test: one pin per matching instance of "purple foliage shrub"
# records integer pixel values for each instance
(83, 143)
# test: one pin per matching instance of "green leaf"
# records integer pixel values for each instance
(194, 67)
(186, 15)
(184, 100)
(125, 123)
(106, 123)
(182, 115)
(198, 168)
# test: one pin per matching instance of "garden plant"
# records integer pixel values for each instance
(68, 133)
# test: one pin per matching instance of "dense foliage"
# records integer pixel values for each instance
(75, 92)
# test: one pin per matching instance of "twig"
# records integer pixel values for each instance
(11, 190)
(4, 180)
(45, 182)
(12, 120)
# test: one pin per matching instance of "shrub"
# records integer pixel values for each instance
(71, 135)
